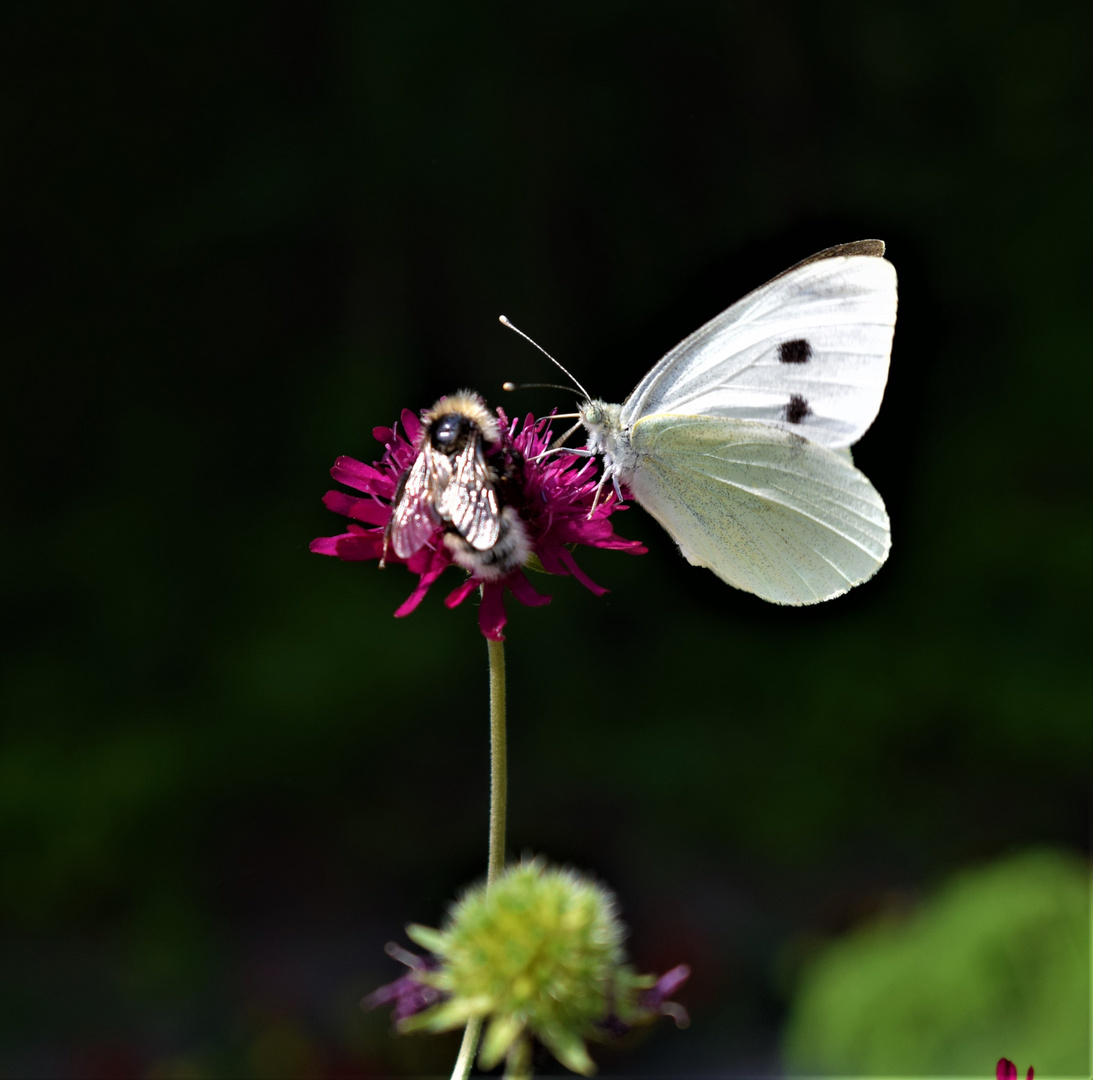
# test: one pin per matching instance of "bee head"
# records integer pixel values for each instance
(448, 433)
(455, 419)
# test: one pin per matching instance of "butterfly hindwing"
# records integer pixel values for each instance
(766, 510)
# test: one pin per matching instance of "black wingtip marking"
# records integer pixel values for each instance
(797, 409)
(797, 351)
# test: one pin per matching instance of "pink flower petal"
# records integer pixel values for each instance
(457, 596)
(357, 548)
(666, 985)
(491, 612)
(551, 563)
(356, 474)
(631, 547)
(571, 564)
(352, 546)
(367, 510)
(437, 567)
(411, 424)
(522, 590)
(324, 545)
(1006, 1070)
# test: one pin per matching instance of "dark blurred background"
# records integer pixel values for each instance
(239, 236)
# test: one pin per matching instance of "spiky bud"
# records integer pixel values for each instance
(538, 955)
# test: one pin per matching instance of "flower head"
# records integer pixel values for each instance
(546, 508)
(537, 956)
(1006, 1070)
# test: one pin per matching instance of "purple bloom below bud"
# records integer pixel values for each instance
(409, 994)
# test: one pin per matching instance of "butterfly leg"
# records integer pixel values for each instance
(562, 450)
(613, 477)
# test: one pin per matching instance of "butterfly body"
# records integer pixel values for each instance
(737, 441)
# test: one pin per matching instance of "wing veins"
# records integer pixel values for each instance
(788, 564)
(809, 515)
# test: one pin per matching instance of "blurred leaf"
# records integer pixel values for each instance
(997, 963)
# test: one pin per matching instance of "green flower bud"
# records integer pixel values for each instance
(538, 955)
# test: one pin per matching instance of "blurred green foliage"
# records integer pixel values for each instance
(996, 963)
(239, 236)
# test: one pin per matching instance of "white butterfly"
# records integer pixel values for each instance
(737, 441)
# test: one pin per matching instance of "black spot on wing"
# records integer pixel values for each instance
(797, 351)
(797, 409)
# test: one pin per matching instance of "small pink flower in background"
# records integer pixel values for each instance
(554, 500)
(1006, 1070)
(410, 994)
(655, 999)
(653, 1002)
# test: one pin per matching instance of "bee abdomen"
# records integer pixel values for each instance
(511, 549)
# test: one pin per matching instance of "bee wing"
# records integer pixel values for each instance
(469, 501)
(415, 517)
(766, 510)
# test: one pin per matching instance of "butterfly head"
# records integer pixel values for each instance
(601, 421)
(593, 414)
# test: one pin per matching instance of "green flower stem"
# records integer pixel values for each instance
(466, 1051)
(499, 772)
(499, 782)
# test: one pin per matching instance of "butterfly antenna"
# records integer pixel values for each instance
(559, 366)
(535, 386)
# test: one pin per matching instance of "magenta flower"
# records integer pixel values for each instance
(552, 496)
(1006, 1070)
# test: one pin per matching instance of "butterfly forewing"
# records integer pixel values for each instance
(873, 248)
(806, 353)
(767, 511)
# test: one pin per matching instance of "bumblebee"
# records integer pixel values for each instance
(451, 484)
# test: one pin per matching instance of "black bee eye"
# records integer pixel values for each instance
(448, 431)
